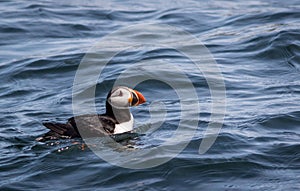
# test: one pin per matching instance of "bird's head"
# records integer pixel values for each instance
(124, 97)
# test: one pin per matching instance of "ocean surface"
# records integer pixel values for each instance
(255, 44)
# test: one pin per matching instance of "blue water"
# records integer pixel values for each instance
(256, 44)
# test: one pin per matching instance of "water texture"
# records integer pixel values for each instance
(255, 43)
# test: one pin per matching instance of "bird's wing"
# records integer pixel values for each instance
(93, 125)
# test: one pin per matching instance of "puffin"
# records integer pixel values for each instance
(116, 120)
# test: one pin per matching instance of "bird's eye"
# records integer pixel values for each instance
(120, 94)
(117, 93)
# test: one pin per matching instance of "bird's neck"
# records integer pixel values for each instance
(120, 115)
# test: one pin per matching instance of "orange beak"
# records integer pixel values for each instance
(141, 98)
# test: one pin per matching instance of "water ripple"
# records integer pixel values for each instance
(256, 45)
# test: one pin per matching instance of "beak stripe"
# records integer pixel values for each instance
(141, 98)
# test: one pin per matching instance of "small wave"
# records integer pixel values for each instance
(282, 121)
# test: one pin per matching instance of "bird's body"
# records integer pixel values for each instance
(116, 120)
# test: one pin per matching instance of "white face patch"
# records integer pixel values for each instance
(119, 98)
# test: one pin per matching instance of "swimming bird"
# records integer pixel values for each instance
(116, 120)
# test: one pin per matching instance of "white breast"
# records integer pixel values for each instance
(124, 127)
